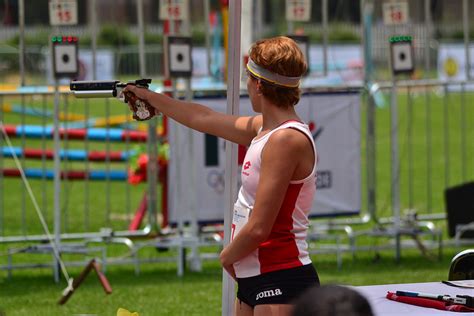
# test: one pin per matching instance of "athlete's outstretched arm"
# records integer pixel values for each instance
(279, 162)
(238, 129)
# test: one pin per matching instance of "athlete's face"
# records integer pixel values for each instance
(252, 88)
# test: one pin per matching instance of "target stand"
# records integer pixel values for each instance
(92, 265)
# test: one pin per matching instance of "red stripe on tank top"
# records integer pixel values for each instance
(289, 121)
(280, 250)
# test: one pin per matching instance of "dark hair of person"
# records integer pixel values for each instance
(331, 300)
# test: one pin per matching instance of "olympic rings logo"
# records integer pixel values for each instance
(215, 179)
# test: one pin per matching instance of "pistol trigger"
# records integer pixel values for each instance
(120, 95)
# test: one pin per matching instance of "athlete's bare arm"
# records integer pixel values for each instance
(288, 155)
(238, 129)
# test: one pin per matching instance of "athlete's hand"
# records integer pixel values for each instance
(137, 100)
(141, 93)
(231, 271)
(229, 267)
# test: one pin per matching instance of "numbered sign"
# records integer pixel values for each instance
(298, 10)
(63, 12)
(177, 10)
(395, 13)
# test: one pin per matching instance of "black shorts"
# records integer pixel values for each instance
(278, 287)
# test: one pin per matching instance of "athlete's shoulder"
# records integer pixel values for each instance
(288, 138)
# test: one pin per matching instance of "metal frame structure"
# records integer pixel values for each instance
(395, 226)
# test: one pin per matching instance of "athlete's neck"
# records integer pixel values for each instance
(273, 116)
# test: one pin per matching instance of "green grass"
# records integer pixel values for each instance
(157, 290)
(83, 209)
(425, 170)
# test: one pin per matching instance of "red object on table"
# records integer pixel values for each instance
(430, 303)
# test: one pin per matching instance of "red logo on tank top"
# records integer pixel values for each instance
(246, 166)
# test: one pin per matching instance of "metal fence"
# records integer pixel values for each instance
(416, 142)
(420, 149)
(96, 149)
(429, 146)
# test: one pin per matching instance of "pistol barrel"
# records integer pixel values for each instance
(93, 85)
(102, 88)
(82, 94)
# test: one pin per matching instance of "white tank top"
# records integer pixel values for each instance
(286, 245)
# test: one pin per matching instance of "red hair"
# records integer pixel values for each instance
(280, 55)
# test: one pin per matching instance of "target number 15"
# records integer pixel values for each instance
(63, 12)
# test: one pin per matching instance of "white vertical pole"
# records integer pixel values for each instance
(177, 133)
(57, 170)
(21, 24)
(141, 38)
(207, 11)
(57, 180)
(247, 26)
(93, 27)
(233, 95)
(172, 25)
(428, 26)
(395, 166)
(324, 9)
(290, 24)
(465, 23)
(151, 142)
(257, 20)
(367, 8)
(195, 263)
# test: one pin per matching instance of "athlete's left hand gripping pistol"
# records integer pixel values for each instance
(142, 110)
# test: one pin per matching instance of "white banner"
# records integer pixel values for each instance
(452, 61)
(345, 65)
(197, 161)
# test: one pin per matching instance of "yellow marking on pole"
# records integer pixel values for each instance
(7, 108)
(8, 87)
(225, 31)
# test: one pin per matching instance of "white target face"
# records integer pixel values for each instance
(402, 59)
(180, 58)
(65, 59)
